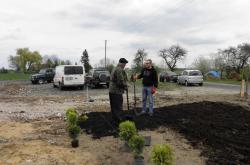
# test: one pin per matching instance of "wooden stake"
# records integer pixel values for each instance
(242, 88)
(246, 89)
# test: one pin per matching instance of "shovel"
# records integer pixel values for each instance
(136, 113)
(128, 117)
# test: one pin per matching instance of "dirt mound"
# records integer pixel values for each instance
(223, 129)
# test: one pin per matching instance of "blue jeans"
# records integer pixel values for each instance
(146, 92)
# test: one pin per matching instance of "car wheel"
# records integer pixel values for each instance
(54, 85)
(186, 83)
(81, 87)
(107, 85)
(33, 82)
(103, 77)
(200, 84)
(40, 81)
(178, 82)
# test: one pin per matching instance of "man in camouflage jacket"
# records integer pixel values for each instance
(118, 85)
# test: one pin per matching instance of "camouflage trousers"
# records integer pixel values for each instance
(116, 102)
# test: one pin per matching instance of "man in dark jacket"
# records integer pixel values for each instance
(150, 83)
(118, 85)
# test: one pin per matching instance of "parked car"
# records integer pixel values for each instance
(168, 76)
(44, 75)
(97, 77)
(189, 77)
(69, 76)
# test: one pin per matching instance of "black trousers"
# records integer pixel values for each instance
(116, 102)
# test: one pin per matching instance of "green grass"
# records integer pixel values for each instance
(233, 82)
(169, 86)
(14, 76)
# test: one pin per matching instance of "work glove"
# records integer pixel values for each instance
(133, 78)
(153, 90)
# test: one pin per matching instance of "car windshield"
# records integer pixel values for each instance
(172, 73)
(73, 70)
(195, 73)
(102, 71)
(43, 71)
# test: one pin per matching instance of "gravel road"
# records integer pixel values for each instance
(25, 88)
(21, 100)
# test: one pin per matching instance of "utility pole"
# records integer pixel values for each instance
(105, 51)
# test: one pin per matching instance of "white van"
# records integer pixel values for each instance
(69, 76)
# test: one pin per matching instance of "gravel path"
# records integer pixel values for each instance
(21, 100)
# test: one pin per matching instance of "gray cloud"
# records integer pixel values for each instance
(201, 26)
(199, 41)
(9, 37)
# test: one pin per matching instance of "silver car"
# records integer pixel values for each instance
(189, 77)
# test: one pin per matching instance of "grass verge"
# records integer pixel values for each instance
(14, 76)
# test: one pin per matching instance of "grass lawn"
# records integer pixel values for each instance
(14, 76)
(234, 82)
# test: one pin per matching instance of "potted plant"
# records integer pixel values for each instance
(74, 132)
(162, 154)
(82, 120)
(137, 143)
(127, 129)
(72, 127)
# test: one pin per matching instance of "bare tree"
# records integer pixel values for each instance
(220, 62)
(51, 60)
(244, 54)
(236, 57)
(110, 64)
(203, 64)
(140, 56)
(68, 62)
(14, 62)
(172, 55)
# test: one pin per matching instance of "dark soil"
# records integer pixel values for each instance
(220, 130)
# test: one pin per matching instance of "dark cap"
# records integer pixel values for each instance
(123, 61)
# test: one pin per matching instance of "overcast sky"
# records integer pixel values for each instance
(66, 28)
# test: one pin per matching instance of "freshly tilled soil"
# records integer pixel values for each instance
(220, 130)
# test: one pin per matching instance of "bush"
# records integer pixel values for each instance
(82, 120)
(3, 70)
(136, 143)
(74, 131)
(234, 76)
(127, 130)
(162, 154)
(71, 116)
(70, 110)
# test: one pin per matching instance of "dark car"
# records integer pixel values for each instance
(97, 77)
(168, 76)
(44, 75)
